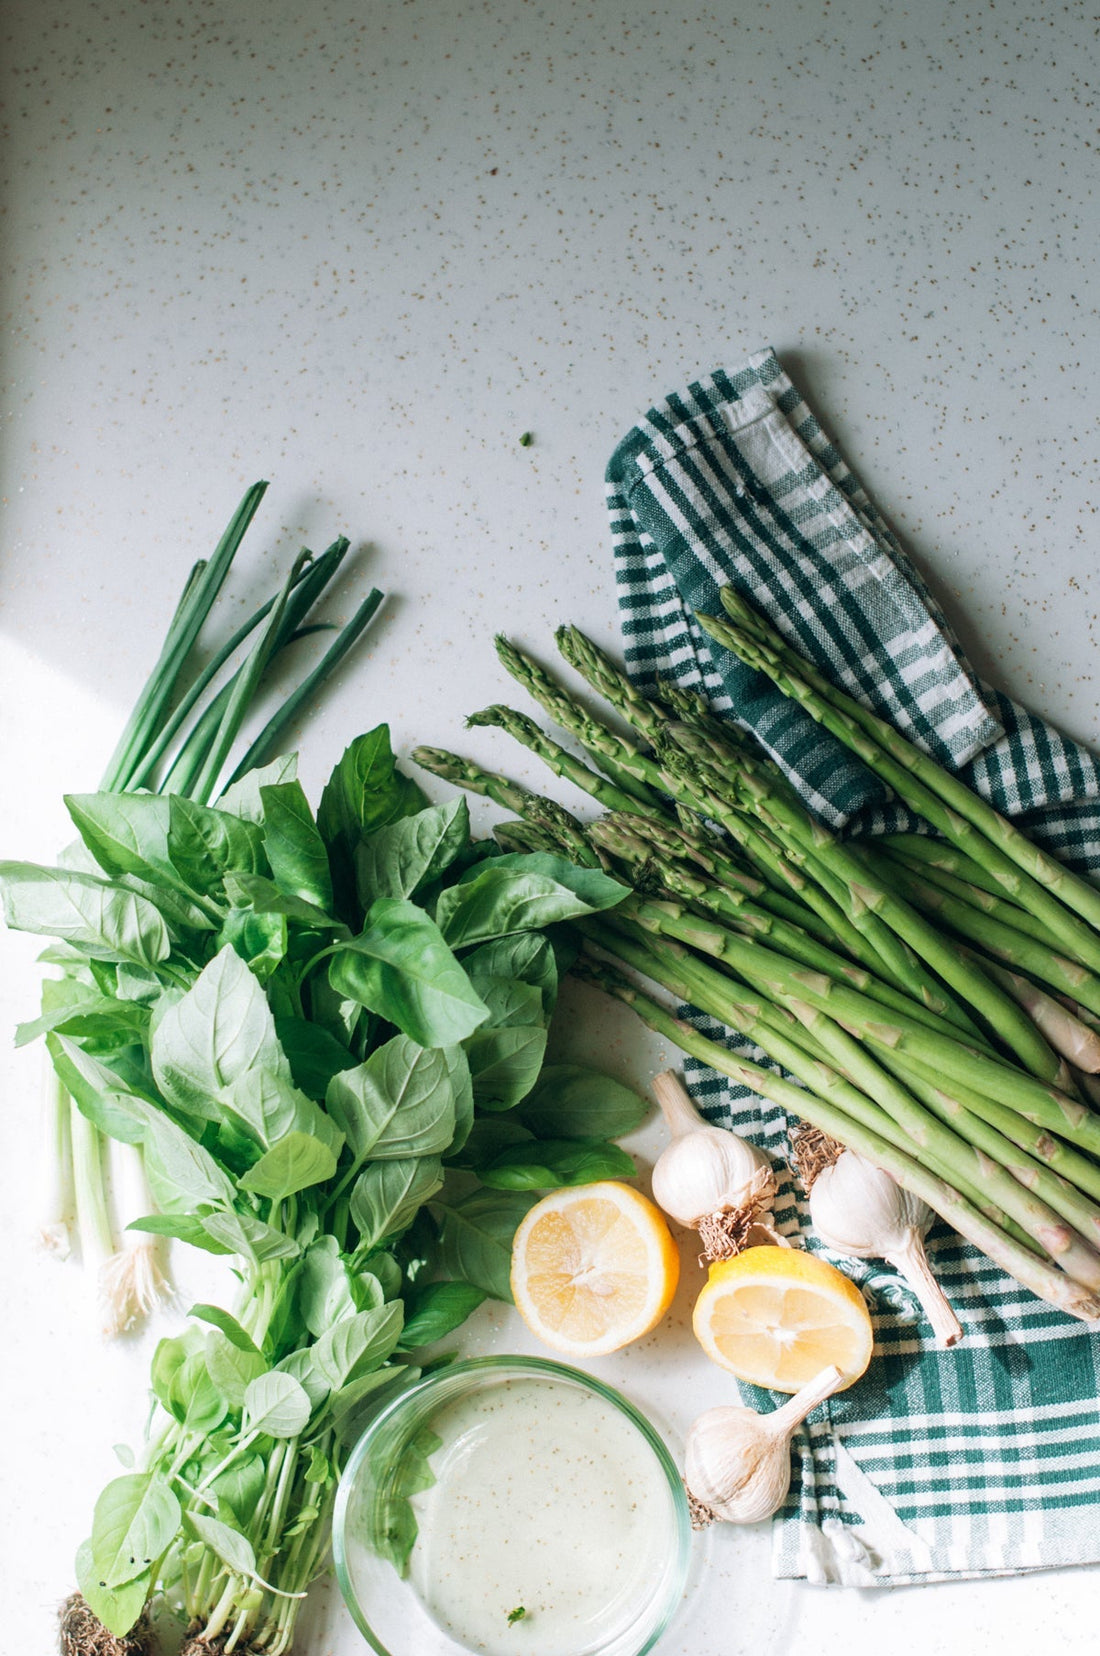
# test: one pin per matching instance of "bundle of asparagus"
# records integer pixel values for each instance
(934, 1001)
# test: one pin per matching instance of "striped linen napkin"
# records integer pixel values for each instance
(938, 1464)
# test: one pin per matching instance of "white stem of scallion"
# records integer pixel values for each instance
(93, 1221)
(60, 1197)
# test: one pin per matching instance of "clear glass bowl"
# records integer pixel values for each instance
(511, 1506)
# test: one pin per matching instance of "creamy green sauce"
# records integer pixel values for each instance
(546, 1500)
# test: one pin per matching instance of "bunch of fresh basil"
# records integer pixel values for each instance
(327, 1036)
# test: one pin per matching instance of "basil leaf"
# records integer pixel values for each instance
(383, 1266)
(504, 1064)
(387, 1196)
(270, 1107)
(365, 791)
(347, 1404)
(323, 1288)
(462, 1088)
(190, 1172)
(221, 1028)
(244, 1234)
(521, 892)
(313, 1054)
(105, 921)
(277, 1404)
(228, 1324)
(240, 1486)
(203, 844)
(193, 1398)
(301, 1366)
(73, 1008)
(227, 1543)
(475, 1242)
(436, 1310)
(100, 1094)
(511, 1003)
(125, 833)
(118, 1608)
(259, 939)
(489, 1135)
(262, 896)
(399, 1103)
(397, 859)
(400, 967)
(135, 1519)
(169, 1356)
(572, 1101)
(182, 1227)
(358, 1343)
(181, 911)
(232, 1369)
(394, 1529)
(295, 849)
(294, 1163)
(524, 957)
(243, 799)
(549, 1163)
(136, 983)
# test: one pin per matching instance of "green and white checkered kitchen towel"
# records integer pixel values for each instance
(938, 1464)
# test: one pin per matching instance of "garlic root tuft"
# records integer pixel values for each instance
(812, 1151)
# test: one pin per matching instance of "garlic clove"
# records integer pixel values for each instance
(737, 1465)
(733, 1468)
(711, 1179)
(860, 1210)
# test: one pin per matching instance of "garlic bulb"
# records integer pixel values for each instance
(737, 1465)
(859, 1210)
(709, 1178)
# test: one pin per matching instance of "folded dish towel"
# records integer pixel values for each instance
(938, 1464)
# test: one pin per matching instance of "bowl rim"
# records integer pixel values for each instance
(538, 1367)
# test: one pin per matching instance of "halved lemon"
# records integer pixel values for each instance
(593, 1268)
(778, 1316)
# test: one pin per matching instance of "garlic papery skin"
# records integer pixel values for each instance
(859, 1210)
(711, 1179)
(737, 1464)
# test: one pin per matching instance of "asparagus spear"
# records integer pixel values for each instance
(1035, 1272)
(621, 759)
(615, 835)
(867, 940)
(967, 1154)
(1027, 873)
(681, 844)
(867, 890)
(1043, 1104)
(1068, 1034)
(1002, 1142)
(736, 778)
(1004, 942)
(559, 759)
(953, 872)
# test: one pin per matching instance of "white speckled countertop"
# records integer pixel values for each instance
(359, 248)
